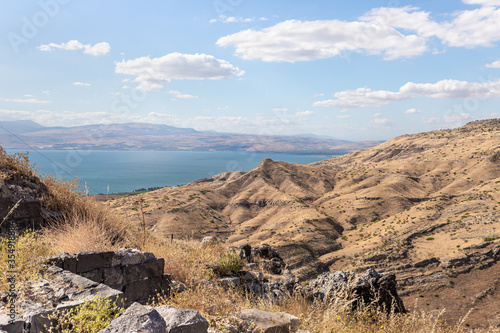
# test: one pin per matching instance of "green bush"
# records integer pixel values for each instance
(230, 262)
(90, 317)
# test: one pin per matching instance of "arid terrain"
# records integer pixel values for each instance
(424, 206)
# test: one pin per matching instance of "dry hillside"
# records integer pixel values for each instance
(425, 206)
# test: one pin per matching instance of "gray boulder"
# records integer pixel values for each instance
(137, 318)
(368, 289)
(253, 320)
(182, 320)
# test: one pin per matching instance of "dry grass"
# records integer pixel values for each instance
(189, 261)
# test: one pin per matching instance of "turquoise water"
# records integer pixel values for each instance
(125, 171)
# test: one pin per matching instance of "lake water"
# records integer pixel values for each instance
(125, 171)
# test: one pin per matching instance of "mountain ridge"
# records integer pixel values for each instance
(145, 136)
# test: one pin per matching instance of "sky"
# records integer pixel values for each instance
(357, 70)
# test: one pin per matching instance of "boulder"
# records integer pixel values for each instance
(137, 318)
(367, 289)
(209, 241)
(253, 320)
(182, 320)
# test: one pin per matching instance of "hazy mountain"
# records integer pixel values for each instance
(141, 136)
(20, 126)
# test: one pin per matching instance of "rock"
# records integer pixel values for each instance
(367, 289)
(274, 266)
(177, 287)
(182, 320)
(137, 318)
(130, 257)
(231, 281)
(253, 320)
(11, 326)
(245, 252)
(90, 260)
(209, 241)
(152, 268)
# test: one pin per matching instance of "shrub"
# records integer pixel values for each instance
(90, 317)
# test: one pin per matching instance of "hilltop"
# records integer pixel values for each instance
(142, 136)
(424, 206)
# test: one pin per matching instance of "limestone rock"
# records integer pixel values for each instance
(182, 320)
(253, 320)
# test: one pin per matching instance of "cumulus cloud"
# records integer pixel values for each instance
(180, 95)
(153, 73)
(494, 64)
(393, 32)
(412, 111)
(468, 28)
(83, 84)
(444, 89)
(74, 45)
(294, 40)
(24, 100)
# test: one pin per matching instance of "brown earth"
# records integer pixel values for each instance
(424, 206)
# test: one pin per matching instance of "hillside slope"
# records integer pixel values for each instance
(425, 206)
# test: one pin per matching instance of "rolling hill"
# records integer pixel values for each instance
(424, 206)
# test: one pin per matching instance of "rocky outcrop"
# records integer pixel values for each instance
(368, 289)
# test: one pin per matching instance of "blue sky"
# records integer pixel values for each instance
(352, 70)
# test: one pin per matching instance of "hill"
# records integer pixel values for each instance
(142, 136)
(423, 206)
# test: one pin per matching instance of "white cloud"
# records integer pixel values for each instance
(232, 19)
(74, 45)
(318, 95)
(393, 32)
(46, 92)
(468, 28)
(28, 95)
(412, 111)
(305, 113)
(83, 84)
(26, 100)
(377, 114)
(153, 73)
(294, 40)
(444, 89)
(482, 2)
(344, 116)
(280, 109)
(360, 98)
(494, 64)
(180, 95)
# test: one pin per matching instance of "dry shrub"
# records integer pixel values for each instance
(31, 252)
(212, 301)
(187, 260)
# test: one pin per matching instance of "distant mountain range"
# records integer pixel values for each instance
(23, 134)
